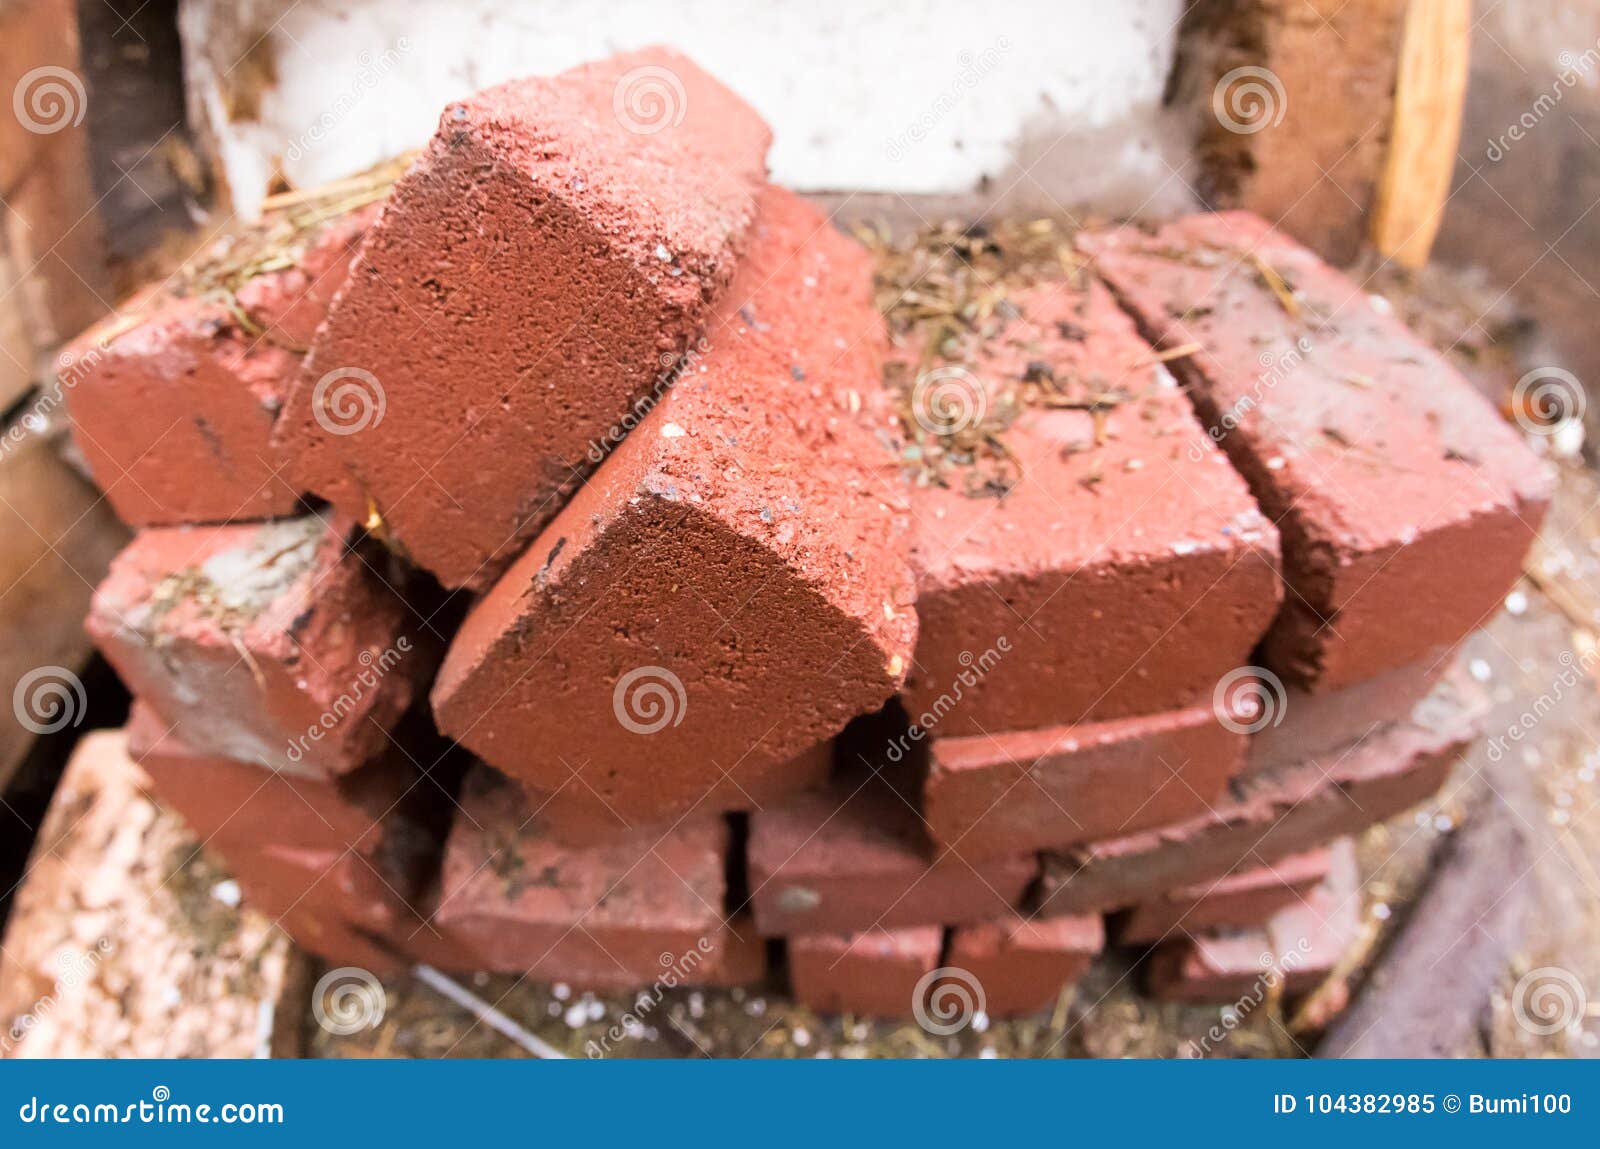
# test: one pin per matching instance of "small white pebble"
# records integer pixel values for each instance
(1443, 823)
(575, 1015)
(673, 431)
(1516, 602)
(1381, 305)
(561, 991)
(1480, 670)
(663, 254)
(980, 1022)
(227, 892)
(1275, 463)
(597, 1010)
(987, 1053)
(1381, 911)
(801, 1037)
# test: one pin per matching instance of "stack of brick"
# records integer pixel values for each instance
(628, 400)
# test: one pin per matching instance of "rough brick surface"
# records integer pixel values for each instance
(616, 915)
(536, 271)
(1246, 898)
(731, 587)
(1298, 948)
(991, 796)
(1276, 815)
(1024, 964)
(872, 974)
(271, 643)
(857, 857)
(173, 399)
(1125, 576)
(1404, 503)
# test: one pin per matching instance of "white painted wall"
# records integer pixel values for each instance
(1058, 98)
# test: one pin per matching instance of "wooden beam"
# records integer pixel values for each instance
(1430, 95)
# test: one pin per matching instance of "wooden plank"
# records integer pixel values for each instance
(1430, 96)
(122, 943)
(60, 536)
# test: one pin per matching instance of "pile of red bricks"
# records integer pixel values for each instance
(511, 557)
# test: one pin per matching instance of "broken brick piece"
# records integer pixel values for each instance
(550, 257)
(618, 915)
(1297, 948)
(1125, 570)
(173, 399)
(732, 586)
(1273, 816)
(1404, 502)
(1023, 964)
(872, 974)
(278, 643)
(992, 795)
(1245, 898)
(857, 857)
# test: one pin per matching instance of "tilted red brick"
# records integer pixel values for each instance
(1246, 898)
(732, 586)
(872, 974)
(1023, 964)
(545, 263)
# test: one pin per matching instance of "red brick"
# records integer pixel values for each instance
(873, 974)
(173, 399)
(1023, 964)
(1246, 898)
(1123, 577)
(271, 643)
(1305, 723)
(735, 556)
(617, 915)
(1300, 946)
(993, 795)
(595, 249)
(1283, 813)
(244, 803)
(1405, 504)
(857, 857)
